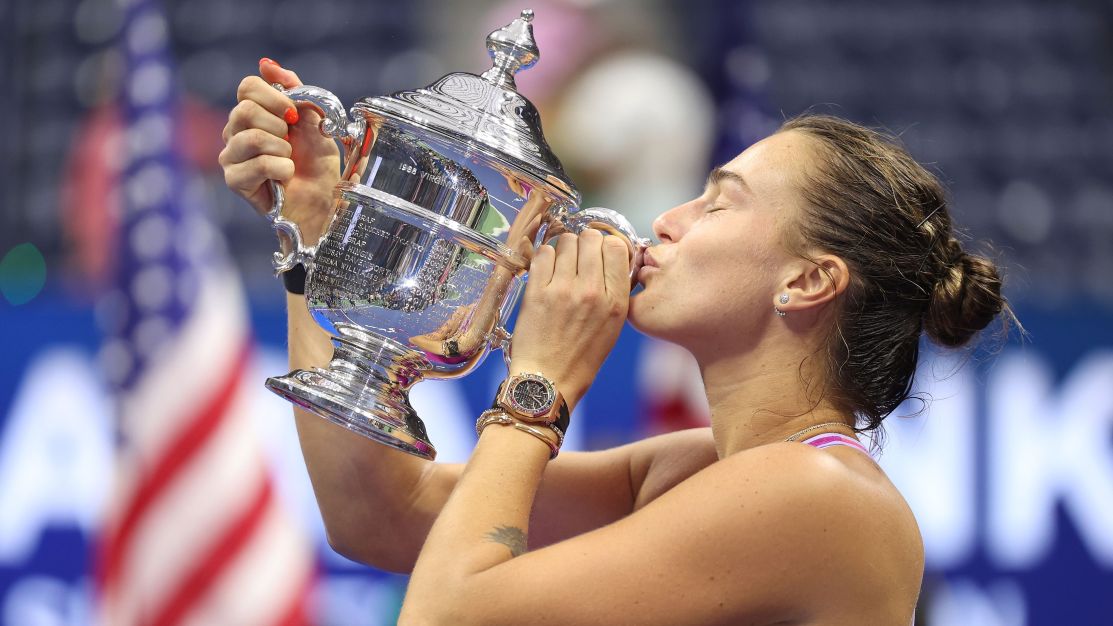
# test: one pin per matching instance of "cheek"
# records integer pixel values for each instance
(726, 298)
(730, 268)
(716, 281)
(703, 291)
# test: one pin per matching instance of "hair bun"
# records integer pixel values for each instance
(967, 297)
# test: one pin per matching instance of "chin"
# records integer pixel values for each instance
(636, 314)
(646, 318)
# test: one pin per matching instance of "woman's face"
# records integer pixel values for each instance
(721, 260)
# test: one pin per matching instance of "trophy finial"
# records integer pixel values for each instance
(512, 48)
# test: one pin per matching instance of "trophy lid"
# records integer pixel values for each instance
(486, 112)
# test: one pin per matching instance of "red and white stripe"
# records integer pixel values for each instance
(670, 389)
(198, 534)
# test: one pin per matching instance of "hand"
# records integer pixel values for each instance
(574, 306)
(263, 140)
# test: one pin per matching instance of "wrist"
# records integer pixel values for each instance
(312, 233)
(495, 419)
(314, 213)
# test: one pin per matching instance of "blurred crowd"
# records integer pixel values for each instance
(1009, 101)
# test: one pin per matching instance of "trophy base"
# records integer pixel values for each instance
(354, 392)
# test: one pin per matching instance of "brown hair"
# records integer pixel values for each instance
(870, 203)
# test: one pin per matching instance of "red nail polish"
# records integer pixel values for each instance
(291, 116)
(267, 61)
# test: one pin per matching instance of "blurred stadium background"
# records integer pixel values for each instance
(1009, 470)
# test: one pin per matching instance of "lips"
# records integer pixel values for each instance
(649, 266)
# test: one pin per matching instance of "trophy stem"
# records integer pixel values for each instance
(365, 388)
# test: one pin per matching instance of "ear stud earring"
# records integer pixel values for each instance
(783, 300)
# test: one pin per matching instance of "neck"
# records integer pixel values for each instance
(758, 401)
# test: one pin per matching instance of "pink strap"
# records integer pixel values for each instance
(824, 440)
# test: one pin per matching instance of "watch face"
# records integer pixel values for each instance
(532, 396)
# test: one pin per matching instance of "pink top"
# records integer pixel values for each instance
(826, 440)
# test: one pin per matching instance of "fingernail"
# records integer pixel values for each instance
(291, 116)
(267, 61)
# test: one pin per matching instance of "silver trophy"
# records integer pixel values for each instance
(445, 194)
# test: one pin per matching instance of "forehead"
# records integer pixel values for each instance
(776, 164)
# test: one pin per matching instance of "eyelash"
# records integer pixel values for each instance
(712, 200)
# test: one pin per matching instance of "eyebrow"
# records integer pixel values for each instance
(719, 175)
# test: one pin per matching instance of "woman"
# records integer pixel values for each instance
(801, 279)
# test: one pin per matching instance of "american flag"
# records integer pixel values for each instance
(196, 533)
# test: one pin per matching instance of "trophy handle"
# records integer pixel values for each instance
(501, 338)
(334, 124)
(609, 222)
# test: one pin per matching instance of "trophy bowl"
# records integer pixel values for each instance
(445, 193)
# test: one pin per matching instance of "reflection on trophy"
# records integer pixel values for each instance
(445, 194)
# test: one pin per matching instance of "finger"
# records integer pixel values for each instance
(256, 89)
(248, 115)
(251, 143)
(248, 176)
(541, 268)
(589, 256)
(272, 72)
(616, 266)
(565, 266)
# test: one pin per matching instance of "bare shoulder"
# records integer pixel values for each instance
(833, 509)
(846, 489)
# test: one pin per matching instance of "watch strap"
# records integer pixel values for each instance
(294, 279)
(563, 417)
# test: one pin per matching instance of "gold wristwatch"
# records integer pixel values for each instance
(532, 398)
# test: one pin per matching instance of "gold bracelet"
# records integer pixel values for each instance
(554, 448)
(492, 416)
(498, 416)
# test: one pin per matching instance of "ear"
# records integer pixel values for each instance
(814, 283)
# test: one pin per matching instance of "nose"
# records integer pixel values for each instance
(671, 225)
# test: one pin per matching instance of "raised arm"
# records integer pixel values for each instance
(378, 504)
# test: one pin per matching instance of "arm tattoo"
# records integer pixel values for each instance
(511, 537)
